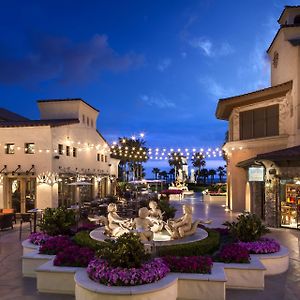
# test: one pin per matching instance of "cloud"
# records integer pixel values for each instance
(158, 101)
(60, 59)
(209, 49)
(164, 64)
(215, 89)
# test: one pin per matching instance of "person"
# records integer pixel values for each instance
(177, 228)
(143, 225)
(116, 225)
(155, 216)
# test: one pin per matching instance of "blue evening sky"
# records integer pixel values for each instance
(157, 67)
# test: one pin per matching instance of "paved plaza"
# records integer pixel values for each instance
(284, 287)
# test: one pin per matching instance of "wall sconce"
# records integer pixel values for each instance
(47, 178)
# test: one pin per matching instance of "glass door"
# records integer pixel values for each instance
(15, 192)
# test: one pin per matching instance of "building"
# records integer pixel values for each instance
(57, 160)
(263, 147)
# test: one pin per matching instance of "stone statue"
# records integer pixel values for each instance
(155, 216)
(116, 225)
(143, 225)
(183, 226)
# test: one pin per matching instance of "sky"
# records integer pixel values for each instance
(157, 67)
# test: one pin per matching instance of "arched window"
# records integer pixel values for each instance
(297, 20)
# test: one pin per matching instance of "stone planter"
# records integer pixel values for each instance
(32, 260)
(58, 280)
(175, 197)
(173, 286)
(275, 263)
(245, 276)
(29, 247)
(207, 197)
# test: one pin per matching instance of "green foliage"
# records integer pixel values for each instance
(126, 251)
(203, 247)
(83, 239)
(167, 209)
(57, 221)
(248, 227)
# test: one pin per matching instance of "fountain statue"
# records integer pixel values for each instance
(155, 216)
(183, 226)
(143, 225)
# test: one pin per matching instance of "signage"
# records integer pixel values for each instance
(256, 173)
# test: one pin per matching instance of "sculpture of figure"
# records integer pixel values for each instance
(183, 226)
(143, 225)
(116, 225)
(155, 216)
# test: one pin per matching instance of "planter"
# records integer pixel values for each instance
(245, 276)
(32, 260)
(208, 197)
(173, 286)
(57, 280)
(175, 197)
(275, 263)
(29, 247)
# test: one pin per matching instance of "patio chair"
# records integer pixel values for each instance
(6, 221)
(10, 211)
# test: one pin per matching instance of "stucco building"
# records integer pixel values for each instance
(263, 147)
(57, 160)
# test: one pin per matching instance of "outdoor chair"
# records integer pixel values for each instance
(25, 218)
(10, 211)
(6, 221)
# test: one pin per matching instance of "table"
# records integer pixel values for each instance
(34, 211)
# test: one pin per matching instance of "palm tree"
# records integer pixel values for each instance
(198, 161)
(221, 172)
(212, 174)
(177, 160)
(204, 175)
(155, 171)
(172, 174)
(163, 174)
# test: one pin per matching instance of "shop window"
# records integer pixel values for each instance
(60, 149)
(105, 158)
(68, 150)
(10, 148)
(98, 157)
(74, 152)
(102, 157)
(29, 148)
(260, 122)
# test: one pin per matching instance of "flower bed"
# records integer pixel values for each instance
(74, 256)
(55, 244)
(262, 246)
(100, 271)
(189, 264)
(233, 253)
(171, 192)
(38, 238)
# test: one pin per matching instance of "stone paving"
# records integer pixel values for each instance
(284, 287)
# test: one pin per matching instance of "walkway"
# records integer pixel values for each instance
(279, 287)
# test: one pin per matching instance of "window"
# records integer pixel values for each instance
(87, 121)
(83, 118)
(74, 152)
(102, 157)
(297, 20)
(92, 123)
(60, 149)
(68, 150)
(260, 122)
(98, 157)
(10, 148)
(105, 158)
(29, 148)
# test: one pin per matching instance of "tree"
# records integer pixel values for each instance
(212, 174)
(164, 175)
(172, 174)
(221, 172)
(176, 160)
(155, 171)
(198, 161)
(204, 174)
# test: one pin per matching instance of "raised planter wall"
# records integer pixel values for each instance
(214, 198)
(29, 247)
(32, 260)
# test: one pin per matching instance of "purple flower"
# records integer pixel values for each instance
(55, 244)
(233, 253)
(100, 271)
(38, 238)
(262, 246)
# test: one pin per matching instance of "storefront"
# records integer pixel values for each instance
(274, 187)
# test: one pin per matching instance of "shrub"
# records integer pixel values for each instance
(38, 238)
(101, 271)
(203, 247)
(83, 239)
(189, 264)
(57, 221)
(74, 256)
(248, 227)
(126, 251)
(167, 209)
(55, 244)
(87, 227)
(233, 253)
(262, 246)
